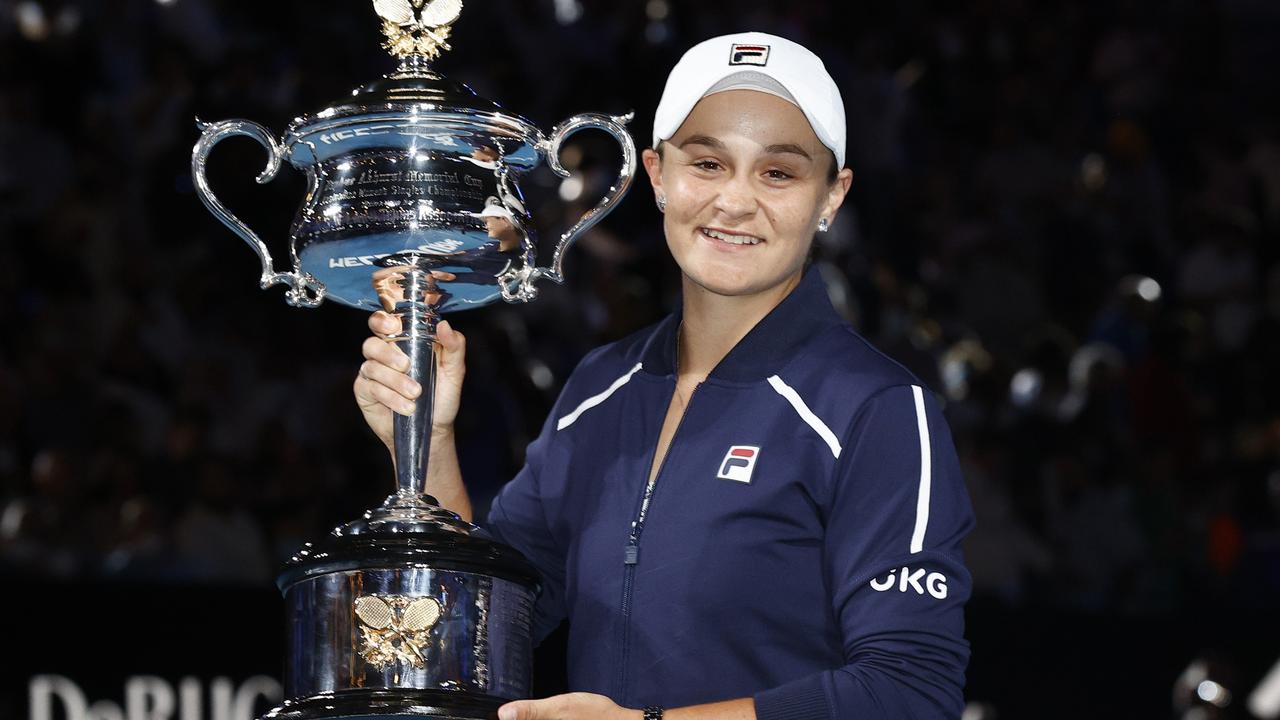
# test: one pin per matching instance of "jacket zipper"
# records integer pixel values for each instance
(631, 553)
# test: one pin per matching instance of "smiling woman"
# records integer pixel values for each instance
(746, 510)
(744, 183)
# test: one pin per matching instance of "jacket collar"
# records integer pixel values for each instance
(803, 313)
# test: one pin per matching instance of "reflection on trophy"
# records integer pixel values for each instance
(412, 206)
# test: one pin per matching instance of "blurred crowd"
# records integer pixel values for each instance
(1064, 220)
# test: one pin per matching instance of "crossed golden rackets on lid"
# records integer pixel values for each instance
(395, 628)
(417, 27)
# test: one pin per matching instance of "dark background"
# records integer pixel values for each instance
(1064, 219)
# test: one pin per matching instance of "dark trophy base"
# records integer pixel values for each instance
(383, 704)
(407, 612)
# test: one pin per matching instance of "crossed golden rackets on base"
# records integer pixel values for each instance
(395, 628)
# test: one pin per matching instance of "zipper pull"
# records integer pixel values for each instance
(632, 555)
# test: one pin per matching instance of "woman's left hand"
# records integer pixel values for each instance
(573, 706)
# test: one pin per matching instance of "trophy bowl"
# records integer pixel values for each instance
(413, 206)
(413, 165)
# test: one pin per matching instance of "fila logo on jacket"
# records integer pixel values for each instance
(739, 463)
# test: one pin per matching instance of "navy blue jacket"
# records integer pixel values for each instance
(801, 544)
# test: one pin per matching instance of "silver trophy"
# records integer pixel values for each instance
(412, 206)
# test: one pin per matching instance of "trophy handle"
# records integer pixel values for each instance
(518, 286)
(304, 289)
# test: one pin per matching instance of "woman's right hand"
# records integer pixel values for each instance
(383, 386)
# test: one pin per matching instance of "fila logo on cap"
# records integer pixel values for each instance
(738, 463)
(742, 54)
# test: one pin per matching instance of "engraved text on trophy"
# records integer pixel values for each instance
(364, 193)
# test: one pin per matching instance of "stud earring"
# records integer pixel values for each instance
(824, 225)
(662, 202)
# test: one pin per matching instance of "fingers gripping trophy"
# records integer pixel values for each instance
(413, 207)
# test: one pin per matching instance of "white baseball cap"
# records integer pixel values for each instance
(493, 208)
(754, 61)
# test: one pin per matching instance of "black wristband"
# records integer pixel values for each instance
(653, 712)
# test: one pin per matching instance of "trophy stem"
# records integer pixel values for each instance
(414, 65)
(418, 318)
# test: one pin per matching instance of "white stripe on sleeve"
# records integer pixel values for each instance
(595, 400)
(806, 414)
(926, 462)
